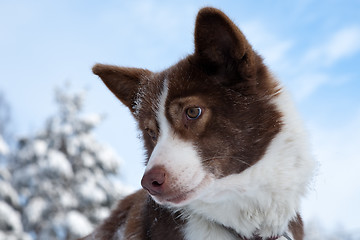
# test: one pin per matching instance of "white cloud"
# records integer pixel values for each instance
(343, 43)
(303, 73)
(312, 69)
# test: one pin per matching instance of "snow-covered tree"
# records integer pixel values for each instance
(64, 176)
(10, 218)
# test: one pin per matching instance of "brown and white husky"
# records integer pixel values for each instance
(227, 156)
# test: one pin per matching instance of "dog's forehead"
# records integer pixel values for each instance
(179, 81)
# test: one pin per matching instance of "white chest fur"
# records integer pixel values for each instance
(199, 228)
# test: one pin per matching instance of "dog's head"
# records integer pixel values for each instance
(207, 118)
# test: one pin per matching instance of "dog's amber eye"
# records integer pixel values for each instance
(193, 113)
(151, 133)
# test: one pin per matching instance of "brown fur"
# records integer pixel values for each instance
(223, 69)
(142, 219)
(126, 92)
(297, 228)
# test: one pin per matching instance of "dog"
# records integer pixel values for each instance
(226, 154)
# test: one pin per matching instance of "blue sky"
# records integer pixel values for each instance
(313, 47)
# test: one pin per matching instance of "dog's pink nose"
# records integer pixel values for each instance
(154, 180)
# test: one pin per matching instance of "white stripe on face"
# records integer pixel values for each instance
(178, 157)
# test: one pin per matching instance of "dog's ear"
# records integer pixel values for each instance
(123, 82)
(220, 46)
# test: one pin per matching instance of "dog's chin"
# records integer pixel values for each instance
(176, 200)
(183, 198)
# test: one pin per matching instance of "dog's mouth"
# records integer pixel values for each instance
(182, 198)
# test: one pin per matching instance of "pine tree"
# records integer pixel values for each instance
(64, 176)
(10, 217)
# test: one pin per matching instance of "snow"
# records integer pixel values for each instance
(101, 213)
(68, 200)
(35, 209)
(12, 236)
(90, 192)
(4, 174)
(39, 147)
(88, 160)
(78, 224)
(108, 158)
(25, 176)
(73, 146)
(9, 218)
(8, 193)
(4, 149)
(90, 121)
(57, 163)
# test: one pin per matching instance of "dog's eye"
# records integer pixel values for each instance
(193, 113)
(152, 134)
